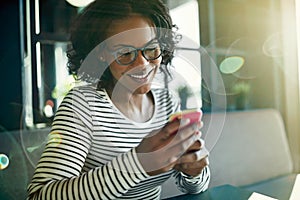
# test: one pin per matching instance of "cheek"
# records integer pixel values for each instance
(157, 62)
(116, 71)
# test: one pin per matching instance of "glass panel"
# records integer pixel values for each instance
(186, 17)
(51, 73)
(250, 47)
(54, 75)
(187, 80)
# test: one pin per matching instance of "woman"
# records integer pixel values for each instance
(113, 140)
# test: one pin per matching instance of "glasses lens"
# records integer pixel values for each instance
(126, 55)
(152, 51)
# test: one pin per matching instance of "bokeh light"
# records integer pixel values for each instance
(4, 161)
(55, 138)
(48, 110)
(80, 3)
(231, 64)
(272, 47)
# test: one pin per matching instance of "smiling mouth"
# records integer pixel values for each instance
(140, 77)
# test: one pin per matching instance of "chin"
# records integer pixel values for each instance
(143, 89)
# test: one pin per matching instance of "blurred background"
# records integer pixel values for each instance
(246, 55)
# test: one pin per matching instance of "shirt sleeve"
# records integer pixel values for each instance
(193, 185)
(59, 173)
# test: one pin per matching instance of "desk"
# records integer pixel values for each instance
(278, 188)
(223, 192)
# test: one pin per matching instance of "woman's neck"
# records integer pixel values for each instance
(137, 107)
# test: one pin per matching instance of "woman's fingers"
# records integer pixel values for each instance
(164, 147)
(171, 128)
(198, 144)
(181, 141)
(176, 151)
(192, 169)
(195, 156)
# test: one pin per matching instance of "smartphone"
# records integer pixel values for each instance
(193, 114)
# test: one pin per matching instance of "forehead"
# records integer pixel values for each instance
(134, 30)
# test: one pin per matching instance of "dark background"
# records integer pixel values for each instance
(10, 61)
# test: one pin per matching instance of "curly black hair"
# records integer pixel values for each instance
(91, 25)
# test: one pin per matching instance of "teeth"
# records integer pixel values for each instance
(138, 76)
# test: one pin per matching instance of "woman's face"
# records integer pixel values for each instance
(127, 35)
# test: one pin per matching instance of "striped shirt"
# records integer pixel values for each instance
(90, 153)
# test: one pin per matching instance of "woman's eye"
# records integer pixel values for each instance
(152, 46)
(125, 52)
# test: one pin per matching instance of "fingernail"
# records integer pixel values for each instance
(202, 142)
(185, 121)
(195, 127)
(201, 124)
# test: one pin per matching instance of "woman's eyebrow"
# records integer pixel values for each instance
(127, 45)
(122, 45)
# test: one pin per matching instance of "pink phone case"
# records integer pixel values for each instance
(193, 114)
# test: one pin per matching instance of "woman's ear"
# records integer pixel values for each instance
(101, 58)
(101, 54)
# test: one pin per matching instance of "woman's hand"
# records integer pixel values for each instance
(159, 152)
(194, 160)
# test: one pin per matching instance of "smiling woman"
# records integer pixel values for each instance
(113, 125)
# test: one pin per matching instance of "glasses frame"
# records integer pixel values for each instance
(135, 50)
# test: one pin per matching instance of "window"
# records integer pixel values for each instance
(45, 39)
(187, 60)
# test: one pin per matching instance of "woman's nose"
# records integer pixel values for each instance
(140, 59)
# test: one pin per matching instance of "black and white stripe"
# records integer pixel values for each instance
(90, 153)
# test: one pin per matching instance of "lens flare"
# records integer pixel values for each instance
(4, 161)
(55, 138)
(231, 64)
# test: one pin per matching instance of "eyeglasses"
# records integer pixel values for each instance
(128, 54)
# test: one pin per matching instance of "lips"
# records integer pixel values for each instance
(140, 77)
